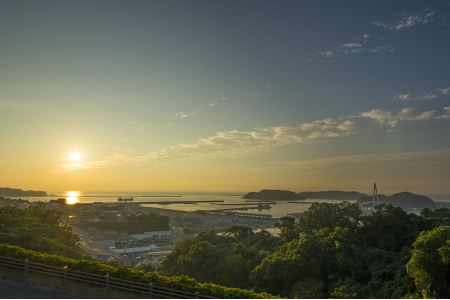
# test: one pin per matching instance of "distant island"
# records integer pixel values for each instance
(403, 200)
(289, 195)
(333, 195)
(273, 195)
(10, 192)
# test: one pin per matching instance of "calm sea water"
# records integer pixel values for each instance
(231, 201)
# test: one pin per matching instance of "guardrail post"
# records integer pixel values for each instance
(106, 281)
(65, 269)
(25, 266)
(150, 289)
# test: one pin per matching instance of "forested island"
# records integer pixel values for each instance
(403, 200)
(10, 192)
(333, 195)
(273, 195)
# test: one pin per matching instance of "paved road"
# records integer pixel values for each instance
(13, 290)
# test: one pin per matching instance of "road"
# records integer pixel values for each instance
(90, 249)
(14, 290)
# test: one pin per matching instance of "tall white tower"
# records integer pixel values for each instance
(375, 199)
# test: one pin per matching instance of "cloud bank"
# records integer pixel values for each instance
(235, 143)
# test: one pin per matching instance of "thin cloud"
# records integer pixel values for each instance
(446, 114)
(184, 115)
(216, 101)
(444, 91)
(402, 97)
(236, 143)
(351, 45)
(406, 21)
(359, 45)
(424, 96)
(391, 119)
(328, 54)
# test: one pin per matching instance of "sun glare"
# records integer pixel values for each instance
(72, 197)
(75, 156)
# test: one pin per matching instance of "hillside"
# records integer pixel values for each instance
(333, 195)
(274, 195)
(10, 192)
(403, 200)
(182, 283)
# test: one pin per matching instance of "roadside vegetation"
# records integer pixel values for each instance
(184, 283)
(39, 229)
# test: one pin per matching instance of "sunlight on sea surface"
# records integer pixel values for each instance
(72, 197)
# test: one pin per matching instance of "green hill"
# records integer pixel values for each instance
(10, 192)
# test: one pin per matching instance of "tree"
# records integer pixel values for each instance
(329, 215)
(38, 229)
(430, 263)
(437, 217)
(391, 228)
(288, 229)
(226, 259)
(302, 268)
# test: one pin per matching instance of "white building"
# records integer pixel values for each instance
(162, 234)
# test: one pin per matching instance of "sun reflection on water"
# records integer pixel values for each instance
(72, 197)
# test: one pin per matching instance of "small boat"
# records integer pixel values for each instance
(125, 199)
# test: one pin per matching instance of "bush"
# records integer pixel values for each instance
(183, 283)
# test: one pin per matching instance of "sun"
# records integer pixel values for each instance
(72, 197)
(75, 156)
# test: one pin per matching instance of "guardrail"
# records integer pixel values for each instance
(106, 281)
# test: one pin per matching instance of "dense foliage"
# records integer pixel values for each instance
(226, 259)
(332, 251)
(38, 229)
(94, 266)
(430, 263)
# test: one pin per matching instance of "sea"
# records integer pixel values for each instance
(169, 201)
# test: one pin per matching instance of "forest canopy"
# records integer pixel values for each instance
(331, 251)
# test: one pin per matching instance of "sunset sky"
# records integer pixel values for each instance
(225, 95)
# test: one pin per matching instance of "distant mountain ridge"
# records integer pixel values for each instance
(10, 192)
(334, 195)
(267, 194)
(403, 200)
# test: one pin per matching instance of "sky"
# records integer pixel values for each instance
(225, 95)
